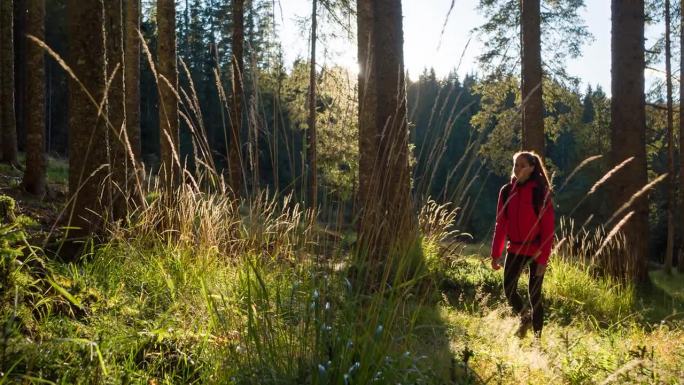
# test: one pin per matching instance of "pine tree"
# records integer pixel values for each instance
(8, 123)
(311, 142)
(168, 83)
(680, 262)
(34, 174)
(119, 164)
(386, 222)
(132, 75)
(531, 83)
(628, 132)
(238, 76)
(671, 186)
(88, 136)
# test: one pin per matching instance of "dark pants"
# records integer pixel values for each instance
(512, 270)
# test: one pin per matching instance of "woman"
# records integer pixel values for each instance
(525, 216)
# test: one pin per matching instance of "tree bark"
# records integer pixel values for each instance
(20, 72)
(168, 103)
(680, 262)
(672, 187)
(235, 166)
(7, 100)
(34, 173)
(386, 220)
(628, 133)
(132, 76)
(119, 165)
(311, 132)
(531, 80)
(88, 139)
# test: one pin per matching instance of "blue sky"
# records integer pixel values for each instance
(423, 20)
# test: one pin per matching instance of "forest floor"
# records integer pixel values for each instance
(595, 331)
(143, 310)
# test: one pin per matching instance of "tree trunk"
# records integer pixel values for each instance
(88, 139)
(311, 132)
(531, 80)
(671, 196)
(168, 103)
(20, 72)
(386, 220)
(132, 76)
(628, 133)
(234, 154)
(680, 262)
(7, 112)
(118, 160)
(34, 174)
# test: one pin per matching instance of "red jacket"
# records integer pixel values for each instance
(527, 233)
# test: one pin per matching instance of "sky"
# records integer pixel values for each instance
(423, 21)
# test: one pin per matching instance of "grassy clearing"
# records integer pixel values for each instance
(134, 313)
(245, 295)
(246, 303)
(151, 312)
(57, 171)
(671, 284)
(596, 331)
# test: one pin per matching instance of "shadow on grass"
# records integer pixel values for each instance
(662, 299)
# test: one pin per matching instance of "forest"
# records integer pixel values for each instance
(183, 203)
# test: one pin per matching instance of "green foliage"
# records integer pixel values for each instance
(336, 122)
(499, 121)
(562, 28)
(7, 208)
(573, 290)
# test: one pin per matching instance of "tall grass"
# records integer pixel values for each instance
(206, 287)
(234, 294)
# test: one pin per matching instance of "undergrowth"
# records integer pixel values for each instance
(245, 295)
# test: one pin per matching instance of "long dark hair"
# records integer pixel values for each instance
(539, 173)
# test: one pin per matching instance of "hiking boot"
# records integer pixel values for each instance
(525, 325)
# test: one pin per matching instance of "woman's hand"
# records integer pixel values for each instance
(496, 263)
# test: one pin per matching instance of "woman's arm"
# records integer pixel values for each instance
(501, 227)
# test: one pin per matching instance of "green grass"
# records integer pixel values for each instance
(237, 296)
(57, 170)
(142, 309)
(672, 284)
(595, 329)
(176, 316)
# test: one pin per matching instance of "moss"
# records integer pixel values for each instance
(7, 209)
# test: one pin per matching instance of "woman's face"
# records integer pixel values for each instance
(522, 169)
